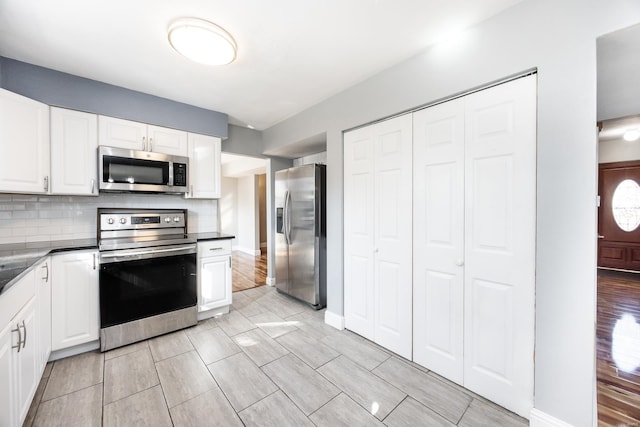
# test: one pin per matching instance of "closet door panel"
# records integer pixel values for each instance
(359, 231)
(393, 234)
(500, 164)
(438, 238)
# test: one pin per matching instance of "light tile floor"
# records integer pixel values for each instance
(271, 362)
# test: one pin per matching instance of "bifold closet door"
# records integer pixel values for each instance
(438, 242)
(500, 230)
(378, 233)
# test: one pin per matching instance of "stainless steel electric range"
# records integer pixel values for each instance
(148, 283)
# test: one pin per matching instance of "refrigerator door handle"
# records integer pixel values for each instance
(284, 217)
(288, 218)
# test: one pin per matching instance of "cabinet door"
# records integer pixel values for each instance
(122, 133)
(74, 143)
(24, 151)
(74, 299)
(27, 367)
(359, 231)
(204, 166)
(168, 141)
(7, 376)
(215, 282)
(438, 238)
(43, 298)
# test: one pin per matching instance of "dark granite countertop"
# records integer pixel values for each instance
(17, 258)
(211, 236)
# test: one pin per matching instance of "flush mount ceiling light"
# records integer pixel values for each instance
(632, 135)
(202, 41)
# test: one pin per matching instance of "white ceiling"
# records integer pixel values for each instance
(292, 53)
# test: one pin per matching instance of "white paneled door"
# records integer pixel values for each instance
(438, 242)
(393, 234)
(377, 228)
(500, 195)
(358, 231)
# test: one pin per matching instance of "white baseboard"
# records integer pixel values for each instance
(72, 351)
(537, 418)
(271, 281)
(202, 315)
(334, 320)
(251, 252)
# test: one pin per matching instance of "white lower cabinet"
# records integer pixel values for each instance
(214, 277)
(75, 316)
(20, 368)
(42, 273)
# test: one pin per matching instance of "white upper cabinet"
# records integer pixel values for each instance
(24, 144)
(204, 166)
(122, 133)
(140, 136)
(74, 140)
(168, 141)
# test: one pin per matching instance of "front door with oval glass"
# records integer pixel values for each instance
(619, 216)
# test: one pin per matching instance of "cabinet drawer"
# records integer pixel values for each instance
(214, 248)
(16, 297)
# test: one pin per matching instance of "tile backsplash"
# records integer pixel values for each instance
(30, 218)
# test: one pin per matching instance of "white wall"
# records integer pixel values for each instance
(229, 206)
(559, 39)
(248, 236)
(31, 218)
(618, 150)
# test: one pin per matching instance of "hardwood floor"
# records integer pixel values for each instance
(618, 349)
(248, 271)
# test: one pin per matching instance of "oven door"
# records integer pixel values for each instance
(139, 283)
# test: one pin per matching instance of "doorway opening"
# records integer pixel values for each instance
(243, 214)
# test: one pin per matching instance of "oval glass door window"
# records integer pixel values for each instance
(626, 205)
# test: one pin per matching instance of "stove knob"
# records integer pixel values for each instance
(176, 219)
(123, 220)
(111, 220)
(167, 219)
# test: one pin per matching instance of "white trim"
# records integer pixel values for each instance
(252, 252)
(537, 418)
(271, 281)
(334, 320)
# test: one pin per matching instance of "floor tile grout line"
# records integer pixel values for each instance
(396, 407)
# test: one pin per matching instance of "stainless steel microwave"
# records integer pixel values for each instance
(122, 170)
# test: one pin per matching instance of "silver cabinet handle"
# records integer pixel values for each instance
(93, 186)
(229, 262)
(46, 268)
(46, 183)
(216, 249)
(24, 327)
(144, 143)
(94, 261)
(17, 329)
(150, 144)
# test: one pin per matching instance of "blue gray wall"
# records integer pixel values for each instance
(78, 93)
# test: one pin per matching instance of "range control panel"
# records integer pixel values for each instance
(120, 219)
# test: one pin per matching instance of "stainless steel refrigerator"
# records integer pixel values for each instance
(301, 246)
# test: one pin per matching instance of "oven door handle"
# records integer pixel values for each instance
(146, 252)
